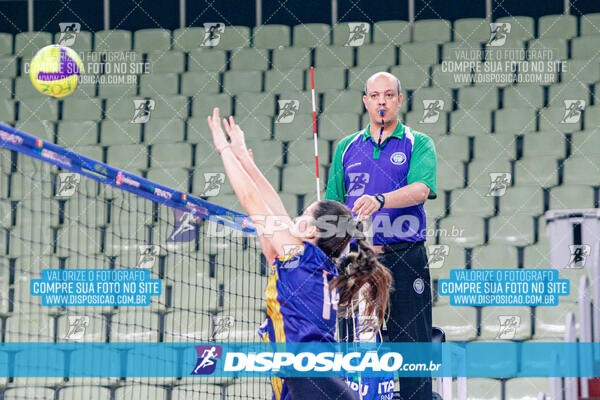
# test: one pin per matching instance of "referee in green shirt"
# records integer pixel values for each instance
(387, 171)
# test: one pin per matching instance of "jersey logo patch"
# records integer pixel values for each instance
(398, 158)
(419, 285)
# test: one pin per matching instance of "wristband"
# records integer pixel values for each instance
(381, 199)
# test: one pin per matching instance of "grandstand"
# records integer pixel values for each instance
(519, 129)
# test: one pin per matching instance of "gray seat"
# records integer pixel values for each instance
(563, 26)
(278, 81)
(395, 32)
(328, 78)
(156, 85)
(119, 132)
(582, 71)
(498, 145)
(515, 120)
(539, 171)
(270, 36)
(254, 104)
(82, 109)
(527, 199)
(7, 111)
(521, 27)
(475, 29)
(342, 34)
(528, 96)
(495, 256)
(481, 170)
(432, 30)
(470, 201)
(582, 170)
(415, 119)
(585, 47)
(188, 38)
(9, 66)
(412, 76)
(557, 45)
(166, 61)
(77, 133)
(358, 76)
(335, 126)
(288, 58)
(311, 35)
(334, 56)
(146, 40)
(550, 144)
(419, 54)
(376, 54)
(468, 121)
(572, 196)
(207, 60)
(166, 130)
(586, 142)
(28, 43)
(463, 231)
(242, 81)
(452, 147)
(6, 44)
(203, 106)
(516, 230)
(162, 155)
(467, 50)
(431, 93)
(38, 108)
(112, 40)
(557, 94)
(249, 59)
(554, 119)
(459, 323)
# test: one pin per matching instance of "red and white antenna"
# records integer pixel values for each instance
(314, 110)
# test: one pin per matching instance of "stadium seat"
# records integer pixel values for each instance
(205, 171)
(36, 211)
(431, 93)
(539, 171)
(586, 142)
(249, 59)
(40, 109)
(501, 146)
(584, 48)
(256, 127)
(465, 231)
(299, 179)
(558, 93)
(208, 392)
(28, 239)
(471, 202)
(441, 76)
(342, 34)
(499, 256)
(582, 170)
(233, 37)
(127, 157)
(335, 126)
(112, 40)
(277, 81)
(450, 174)
(7, 88)
(120, 109)
(94, 327)
(589, 24)
(432, 30)
(207, 60)
(254, 104)
(29, 392)
(482, 389)
(202, 106)
(41, 129)
(544, 144)
(138, 391)
(162, 62)
(480, 170)
(452, 147)
(291, 58)
(147, 40)
(412, 76)
(156, 85)
(459, 323)
(163, 155)
(188, 38)
(36, 326)
(475, 29)
(195, 296)
(298, 152)
(24, 89)
(300, 127)
(77, 133)
(522, 200)
(82, 109)
(83, 41)
(75, 237)
(516, 230)
(515, 120)
(242, 81)
(245, 321)
(164, 130)
(334, 56)
(176, 178)
(499, 53)
(419, 54)
(328, 78)
(376, 54)
(87, 211)
(395, 32)
(550, 321)
(562, 26)
(415, 119)
(169, 107)
(582, 71)
(521, 27)
(6, 44)
(134, 326)
(537, 255)
(478, 97)
(268, 152)
(270, 36)
(188, 326)
(87, 392)
(493, 325)
(462, 50)
(28, 43)
(9, 66)
(557, 46)
(107, 88)
(346, 101)
(469, 121)
(303, 96)
(526, 388)
(311, 35)
(254, 388)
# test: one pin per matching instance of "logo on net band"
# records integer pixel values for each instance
(358, 32)
(498, 33)
(207, 359)
(431, 111)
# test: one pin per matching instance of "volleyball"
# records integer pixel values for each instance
(55, 70)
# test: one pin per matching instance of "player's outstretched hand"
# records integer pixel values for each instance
(218, 135)
(237, 137)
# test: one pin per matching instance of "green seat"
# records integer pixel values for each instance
(6, 44)
(550, 322)
(29, 392)
(242, 81)
(108, 88)
(300, 179)
(335, 126)
(188, 38)
(459, 323)
(311, 35)
(133, 326)
(297, 151)
(77, 133)
(119, 132)
(499, 256)
(376, 54)
(255, 104)
(195, 83)
(155, 85)
(550, 144)
(207, 60)
(208, 392)
(470, 201)
(87, 392)
(529, 74)
(233, 37)
(478, 97)
(462, 50)
(260, 387)
(204, 173)
(586, 142)
(300, 127)
(526, 388)
(582, 170)
(468, 121)
(202, 106)
(510, 121)
(256, 127)
(582, 71)
(452, 147)
(572, 196)
(127, 157)
(562, 26)
(89, 211)
(499, 53)
(523, 96)
(278, 81)
(411, 76)
(40, 108)
(553, 119)
(95, 330)
(450, 174)
(170, 107)
(584, 48)
(30, 326)
(187, 326)
(304, 98)
(516, 230)
(161, 155)
(521, 27)
(83, 41)
(431, 93)
(482, 389)
(328, 78)
(35, 211)
(537, 255)
(9, 66)
(201, 296)
(557, 94)
(342, 34)
(242, 290)
(441, 77)
(432, 30)
(24, 88)
(244, 321)
(334, 56)
(493, 322)
(165, 130)
(112, 40)
(557, 45)
(166, 61)
(287, 58)
(7, 88)
(75, 238)
(502, 146)
(7, 111)
(176, 178)
(147, 40)
(249, 59)
(91, 151)
(522, 200)
(120, 108)
(28, 43)
(419, 54)
(82, 109)
(589, 24)
(539, 171)
(436, 208)
(480, 170)
(270, 36)
(358, 76)
(475, 29)
(464, 231)
(395, 32)
(480, 76)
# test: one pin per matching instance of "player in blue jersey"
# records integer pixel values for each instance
(305, 285)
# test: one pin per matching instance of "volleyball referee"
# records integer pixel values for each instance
(388, 171)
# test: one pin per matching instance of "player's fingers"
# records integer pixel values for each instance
(215, 116)
(227, 127)
(358, 203)
(251, 154)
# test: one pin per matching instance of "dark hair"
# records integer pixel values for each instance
(356, 269)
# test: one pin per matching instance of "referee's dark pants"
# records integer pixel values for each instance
(410, 306)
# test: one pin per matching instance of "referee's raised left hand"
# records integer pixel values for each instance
(365, 206)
